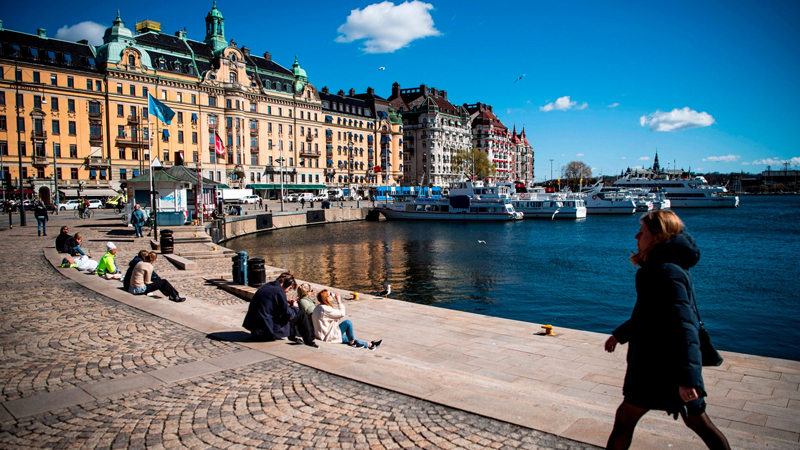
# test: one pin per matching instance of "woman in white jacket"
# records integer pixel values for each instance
(327, 327)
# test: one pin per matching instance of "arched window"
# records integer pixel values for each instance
(131, 59)
(233, 57)
(190, 69)
(177, 66)
(233, 77)
(277, 86)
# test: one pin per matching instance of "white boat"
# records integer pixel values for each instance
(532, 202)
(456, 208)
(683, 192)
(608, 200)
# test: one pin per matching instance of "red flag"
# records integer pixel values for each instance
(218, 145)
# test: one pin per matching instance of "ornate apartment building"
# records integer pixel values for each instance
(511, 153)
(434, 130)
(81, 114)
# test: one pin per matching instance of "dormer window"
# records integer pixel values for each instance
(91, 62)
(67, 59)
(233, 57)
(162, 64)
(131, 60)
(190, 69)
(177, 66)
(34, 53)
(51, 56)
(16, 49)
(233, 77)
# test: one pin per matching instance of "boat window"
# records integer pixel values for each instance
(409, 207)
(428, 208)
(419, 208)
(473, 209)
(445, 208)
(482, 209)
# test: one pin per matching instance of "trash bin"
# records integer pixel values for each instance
(167, 243)
(235, 268)
(239, 268)
(256, 274)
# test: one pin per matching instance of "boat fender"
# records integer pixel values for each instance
(594, 197)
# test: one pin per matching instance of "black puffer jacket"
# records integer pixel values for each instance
(662, 337)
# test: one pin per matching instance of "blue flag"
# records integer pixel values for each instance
(160, 110)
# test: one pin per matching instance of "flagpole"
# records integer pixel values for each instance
(152, 183)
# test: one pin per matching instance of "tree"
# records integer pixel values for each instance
(576, 171)
(473, 161)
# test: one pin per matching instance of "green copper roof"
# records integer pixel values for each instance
(117, 32)
(215, 12)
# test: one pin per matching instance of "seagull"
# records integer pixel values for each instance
(519, 78)
(481, 242)
(381, 68)
(386, 292)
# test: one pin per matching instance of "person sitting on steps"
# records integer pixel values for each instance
(327, 326)
(141, 282)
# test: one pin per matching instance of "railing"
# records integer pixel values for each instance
(133, 119)
(309, 138)
(253, 131)
(92, 161)
(309, 153)
(96, 139)
(40, 160)
(39, 134)
(253, 149)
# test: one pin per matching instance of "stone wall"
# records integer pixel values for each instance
(233, 226)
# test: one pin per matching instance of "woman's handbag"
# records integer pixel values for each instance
(710, 355)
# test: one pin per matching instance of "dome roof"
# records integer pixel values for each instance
(117, 32)
(215, 12)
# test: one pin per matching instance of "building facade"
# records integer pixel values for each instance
(84, 120)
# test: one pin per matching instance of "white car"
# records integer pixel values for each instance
(95, 204)
(321, 197)
(290, 198)
(250, 199)
(70, 205)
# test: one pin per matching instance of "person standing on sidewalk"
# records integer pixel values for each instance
(664, 361)
(138, 220)
(40, 211)
(302, 203)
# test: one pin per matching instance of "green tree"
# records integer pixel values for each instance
(473, 161)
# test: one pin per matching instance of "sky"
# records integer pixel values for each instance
(710, 85)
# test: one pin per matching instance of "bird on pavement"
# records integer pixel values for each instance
(386, 292)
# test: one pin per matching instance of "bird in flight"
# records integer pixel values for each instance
(481, 242)
(381, 68)
(519, 78)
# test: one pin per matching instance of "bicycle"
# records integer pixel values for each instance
(87, 214)
(119, 209)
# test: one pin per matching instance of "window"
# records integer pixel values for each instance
(36, 78)
(212, 158)
(280, 128)
(119, 88)
(180, 97)
(145, 113)
(122, 153)
(269, 110)
(54, 104)
(21, 124)
(121, 131)
(70, 82)
(180, 137)
(123, 174)
(3, 123)
(280, 111)
(163, 95)
(58, 173)
(228, 103)
(2, 98)
(212, 101)
(73, 153)
(56, 127)
(18, 75)
(135, 154)
(233, 77)
(132, 90)
(194, 137)
(229, 122)
(291, 161)
(71, 105)
(88, 85)
(98, 85)
(166, 155)
(57, 149)
(254, 159)
(95, 129)
(144, 92)
(94, 108)
(194, 99)
(73, 173)
(4, 148)
(67, 58)
(72, 128)
(20, 101)
(290, 129)
(302, 131)
(22, 150)
(180, 117)
(269, 127)
(212, 121)
(131, 59)
(194, 157)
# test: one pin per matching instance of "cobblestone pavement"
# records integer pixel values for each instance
(55, 334)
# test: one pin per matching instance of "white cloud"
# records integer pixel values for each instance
(563, 104)
(579, 154)
(745, 163)
(644, 158)
(699, 169)
(388, 27)
(91, 31)
(624, 157)
(793, 162)
(563, 155)
(613, 105)
(729, 158)
(677, 119)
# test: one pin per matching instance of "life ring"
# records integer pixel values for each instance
(594, 197)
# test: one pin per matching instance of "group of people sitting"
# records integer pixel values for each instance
(271, 315)
(140, 278)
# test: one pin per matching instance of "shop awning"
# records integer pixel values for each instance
(135, 172)
(93, 172)
(277, 186)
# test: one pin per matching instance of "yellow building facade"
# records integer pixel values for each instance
(84, 121)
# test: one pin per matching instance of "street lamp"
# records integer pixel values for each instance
(280, 163)
(551, 171)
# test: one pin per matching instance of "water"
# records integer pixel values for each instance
(572, 274)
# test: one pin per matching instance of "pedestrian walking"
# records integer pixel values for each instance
(138, 220)
(303, 203)
(40, 211)
(664, 361)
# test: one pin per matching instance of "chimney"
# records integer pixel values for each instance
(443, 94)
(41, 32)
(340, 93)
(395, 90)
(268, 56)
(424, 89)
(181, 34)
(491, 109)
(84, 42)
(352, 92)
(325, 90)
(434, 92)
(370, 91)
(245, 50)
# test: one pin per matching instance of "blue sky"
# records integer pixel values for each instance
(712, 85)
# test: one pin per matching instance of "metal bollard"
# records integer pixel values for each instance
(242, 268)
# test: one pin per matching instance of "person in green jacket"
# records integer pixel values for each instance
(306, 302)
(107, 268)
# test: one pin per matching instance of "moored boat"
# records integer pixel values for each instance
(455, 208)
(684, 192)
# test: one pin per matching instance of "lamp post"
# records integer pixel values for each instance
(551, 171)
(22, 221)
(280, 162)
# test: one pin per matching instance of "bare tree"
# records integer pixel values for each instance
(577, 171)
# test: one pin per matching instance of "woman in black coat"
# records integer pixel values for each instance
(664, 362)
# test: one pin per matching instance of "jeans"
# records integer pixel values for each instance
(138, 229)
(78, 250)
(347, 333)
(42, 222)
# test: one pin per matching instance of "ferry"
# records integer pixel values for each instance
(608, 200)
(683, 192)
(455, 208)
(532, 202)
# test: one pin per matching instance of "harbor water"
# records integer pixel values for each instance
(572, 274)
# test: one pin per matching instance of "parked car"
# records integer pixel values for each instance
(250, 199)
(69, 205)
(354, 197)
(321, 197)
(307, 196)
(291, 198)
(95, 204)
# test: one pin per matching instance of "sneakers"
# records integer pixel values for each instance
(178, 299)
(375, 344)
(356, 344)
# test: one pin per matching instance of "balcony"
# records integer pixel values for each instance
(38, 135)
(40, 161)
(93, 162)
(330, 171)
(253, 149)
(133, 120)
(309, 153)
(309, 138)
(95, 115)
(96, 139)
(253, 131)
(212, 126)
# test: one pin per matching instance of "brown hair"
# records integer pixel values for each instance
(323, 298)
(663, 224)
(78, 236)
(151, 257)
(303, 290)
(143, 254)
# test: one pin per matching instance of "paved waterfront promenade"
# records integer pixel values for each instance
(86, 365)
